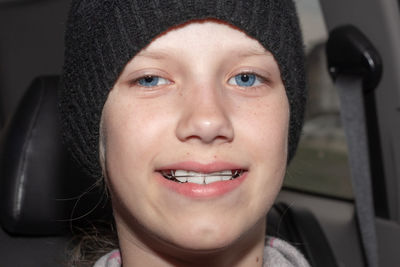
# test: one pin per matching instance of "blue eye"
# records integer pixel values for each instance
(151, 81)
(245, 80)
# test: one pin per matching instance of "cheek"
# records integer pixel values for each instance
(133, 140)
(132, 135)
(125, 138)
(264, 130)
(263, 126)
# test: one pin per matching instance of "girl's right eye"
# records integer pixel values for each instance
(151, 81)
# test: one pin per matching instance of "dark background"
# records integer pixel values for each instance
(31, 44)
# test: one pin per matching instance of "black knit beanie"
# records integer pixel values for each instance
(102, 36)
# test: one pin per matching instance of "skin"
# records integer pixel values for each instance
(196, 113)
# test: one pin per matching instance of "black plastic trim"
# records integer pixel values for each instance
(351, 53)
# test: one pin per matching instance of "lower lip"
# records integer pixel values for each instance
(198, 191)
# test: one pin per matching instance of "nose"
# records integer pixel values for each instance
(205, 118)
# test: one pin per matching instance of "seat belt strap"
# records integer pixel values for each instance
(353, 119)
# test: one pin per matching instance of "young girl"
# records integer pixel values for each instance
(190, 111)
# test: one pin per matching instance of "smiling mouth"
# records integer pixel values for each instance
(183, 176)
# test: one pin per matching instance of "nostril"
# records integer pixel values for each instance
(206, 120)
(206, 134)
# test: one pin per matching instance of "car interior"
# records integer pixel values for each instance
(344, 213)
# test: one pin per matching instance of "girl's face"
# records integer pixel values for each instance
(203, 101)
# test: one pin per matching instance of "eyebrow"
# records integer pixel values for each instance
(153, 55)
(239, 53)
(254, 51)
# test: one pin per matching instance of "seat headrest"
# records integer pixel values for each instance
(41, 190)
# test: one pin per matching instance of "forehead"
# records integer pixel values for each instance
(198, 36)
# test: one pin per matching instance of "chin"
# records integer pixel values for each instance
(212, 237)
(208, 239)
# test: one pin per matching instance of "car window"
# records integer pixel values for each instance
(321, 163)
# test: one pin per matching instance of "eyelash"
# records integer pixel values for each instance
(153, 78)
(255, 79)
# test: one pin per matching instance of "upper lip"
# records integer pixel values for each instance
(201, 167)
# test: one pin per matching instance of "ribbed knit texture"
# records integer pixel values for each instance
(103, 35)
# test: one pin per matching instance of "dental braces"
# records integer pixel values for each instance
(171, 175)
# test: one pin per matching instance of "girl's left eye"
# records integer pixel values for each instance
(151, 81)
(245, 80)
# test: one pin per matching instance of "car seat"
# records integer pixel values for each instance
(41, 190)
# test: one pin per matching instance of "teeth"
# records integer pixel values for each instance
(183, 176)
(196, 180)
(181, 179)
(226, 178)
(212, 179)
(182, 173)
